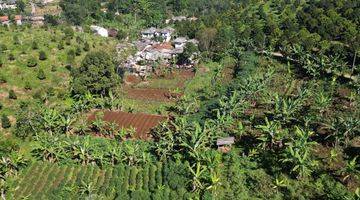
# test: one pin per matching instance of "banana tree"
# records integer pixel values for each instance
(98, 124)
(66, 121)
(198, 174)
(130, 153)
(298, 154)
(82, 151)
(273, 134)
(87, 188)
(115, 155)
(195, 140)
(50, 119)
(10, 165)
(351, 168)
(49, 148)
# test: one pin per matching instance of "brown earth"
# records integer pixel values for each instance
(143, 123)
(151, 94)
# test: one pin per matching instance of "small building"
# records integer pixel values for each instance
(178, 18)
(18, 20)
(194, 41)
(149, 33)
(8, 5)
(224, 144)
(166, 33)
(99, 31)
(4, 20)
(37, 20)
(180, 42)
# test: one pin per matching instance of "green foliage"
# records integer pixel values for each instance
(86, 47)
(5, 122)
(96, 75)
(12, 94)
(31, 62)
(78, 51)
(41, 74)
(42, 55)
(11, 57)
(34, 45)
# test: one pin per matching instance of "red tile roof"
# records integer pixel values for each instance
(166, 45)
(4, 18)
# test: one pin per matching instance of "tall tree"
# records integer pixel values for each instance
(96, 75)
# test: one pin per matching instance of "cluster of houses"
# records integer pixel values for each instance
(156, 46)
(5, 20)
(10, 4)
(18, 20)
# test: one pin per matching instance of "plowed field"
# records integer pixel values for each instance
(143, 123)
(151, 94)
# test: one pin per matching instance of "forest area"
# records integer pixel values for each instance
(279, 77)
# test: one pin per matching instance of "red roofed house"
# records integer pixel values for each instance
(4, 20)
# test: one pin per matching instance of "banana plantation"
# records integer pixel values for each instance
(271, 109)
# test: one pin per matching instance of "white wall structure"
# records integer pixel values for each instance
(100, 31)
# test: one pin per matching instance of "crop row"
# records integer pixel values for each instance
(43, 179)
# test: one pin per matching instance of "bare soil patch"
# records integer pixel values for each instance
(143, 123)
(151, 94)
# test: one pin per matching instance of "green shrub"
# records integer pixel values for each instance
(146, 177)
(139, 180)
(152, 178)
(16, 40)
(69, 32)
(53, 68)
(11, 57)
(27, 86)
(159, 180)
(3, 47)
(12, 94)
(42, 55)
(78, 51)
(86, 46)
(41, 74)
(3, 79)
(140, 195)
(34, 45)
(70, 56)
(132, 178)
(60, 46)
(31, 62)
(1, 61)
(79, 40)
(5, 122)
(68, 41)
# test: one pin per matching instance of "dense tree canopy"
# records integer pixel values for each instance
(96, 75)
